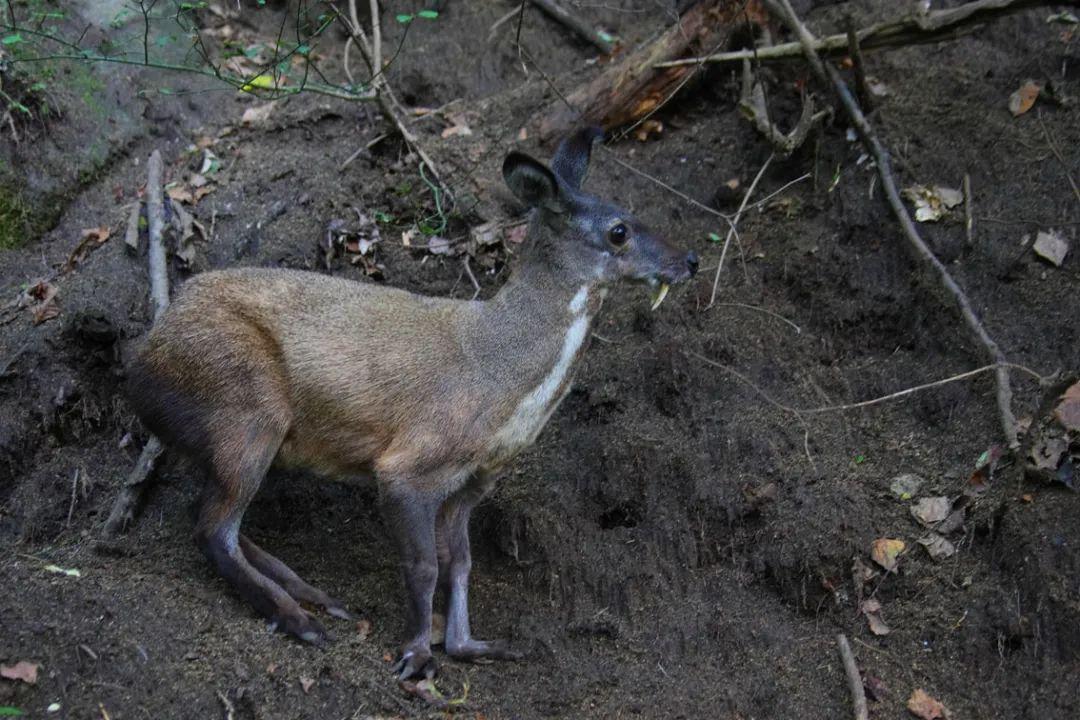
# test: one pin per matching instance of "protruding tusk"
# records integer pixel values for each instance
(659, 295)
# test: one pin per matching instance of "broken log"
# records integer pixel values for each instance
(634, 87)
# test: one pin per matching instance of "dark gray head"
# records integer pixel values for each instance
(591, 237)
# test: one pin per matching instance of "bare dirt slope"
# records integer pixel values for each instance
(676, 544)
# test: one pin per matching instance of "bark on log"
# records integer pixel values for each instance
(632, 88)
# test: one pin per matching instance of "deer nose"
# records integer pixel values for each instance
(692, 262)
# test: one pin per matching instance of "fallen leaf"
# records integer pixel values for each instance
(985, 466)
(180, 193)
(256, 115)
(70, 572)
(211, 163)
(861, 573)
(876, 689)
(938, 547)
(438, 245)
(648, 130)
(517, 234)
(1067, 411)
(931, 510)
(363, 629)
(46, 307)
(1050, 246)
(186, 227)
(923, 706)
(905, 486)
(457, 127)
(53, 707)
(885, 551)
(871, 608)
(306, 683)
(1027, 498)
(1023, 98)
(92, 238)
(23, 671)
(931, 203)
(1046, 454)
(10, 711)
(426, 691)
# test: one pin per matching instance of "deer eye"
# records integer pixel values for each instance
(618, 235)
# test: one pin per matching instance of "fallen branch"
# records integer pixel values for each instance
(123, 509)
(854, 679)
(732, 231)
(752, 106)
(581, 28)
(829, 76)
(912, 29)
(635, 87)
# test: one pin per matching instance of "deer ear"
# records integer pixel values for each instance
(571, 161)
(532, 182)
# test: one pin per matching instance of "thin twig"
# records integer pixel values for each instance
(969, 220)
(910, 29)
(854, 679)
(732, 229)
(230, 711)
(757, 308)
(1057, 153)
(74, 490)
(576, 24)
(782, 8)
(472, 278)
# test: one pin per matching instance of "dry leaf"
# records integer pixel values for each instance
(931, 203)
(363, 629)
(1046, 454)
(931, 510)
(861, 573)
(306, 683)
(179, 193)
(438, 245)
(92, 238)
(871, 608)
(457, 127)
(648, 130)
(46, 307)
(1050, 246)
(1023, 98)
(256, 115)
(23, 671)
(884, 552)
(938, 547)
(1067, 411)
(905, 486)
(923, 706)
(517, 234)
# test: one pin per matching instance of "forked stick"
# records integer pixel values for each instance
(782, 9)
(123, 509)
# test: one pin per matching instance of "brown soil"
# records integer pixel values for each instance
(669, 548)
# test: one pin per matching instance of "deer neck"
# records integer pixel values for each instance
(535, 331)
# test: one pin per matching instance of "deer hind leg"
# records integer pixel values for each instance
(293, 584)
(239, 462)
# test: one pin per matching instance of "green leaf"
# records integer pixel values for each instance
(12, 39)
(38, 86)
(303, 49)
(404, 19)
(713, 237)
(20, 107)
(860, 459)
(8, 711)
(605, 37)
(428, 14)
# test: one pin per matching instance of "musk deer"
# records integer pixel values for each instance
(252, 367)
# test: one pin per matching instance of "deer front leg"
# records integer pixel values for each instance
(454, 524)
(410, 517)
